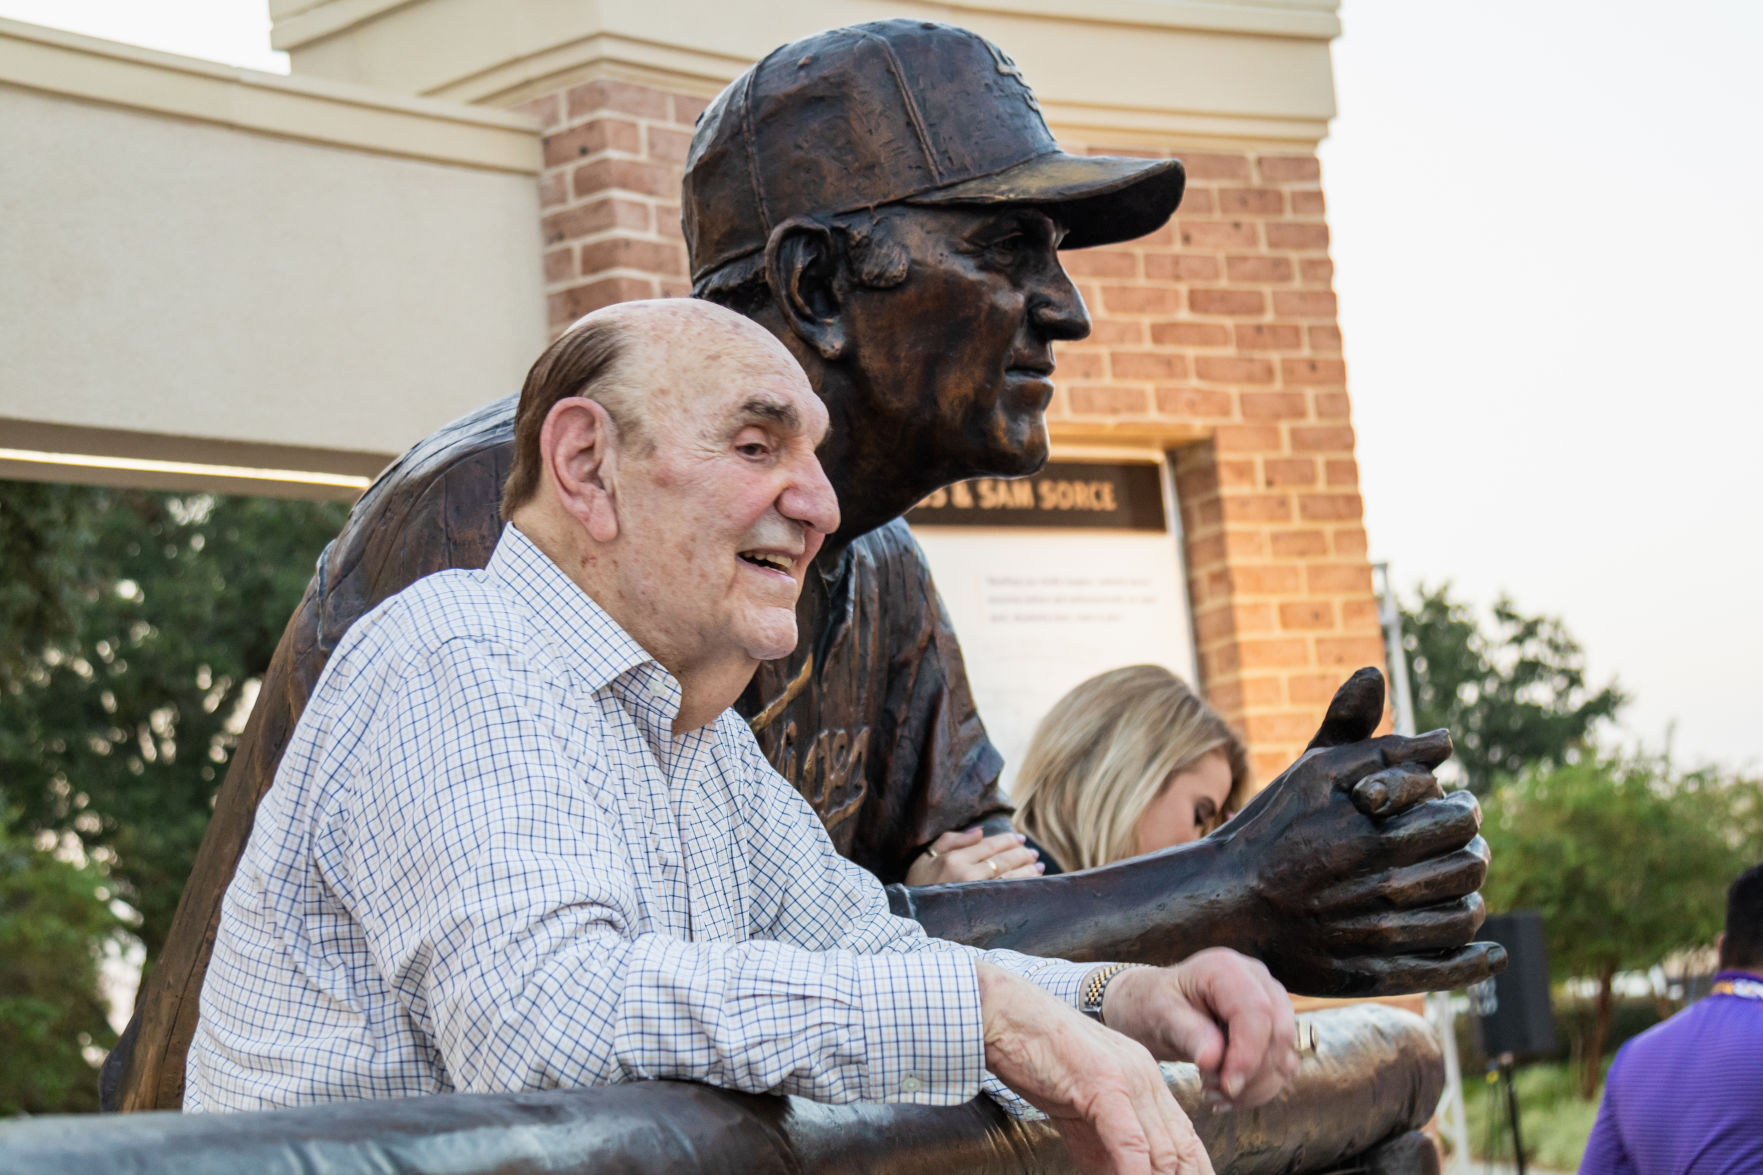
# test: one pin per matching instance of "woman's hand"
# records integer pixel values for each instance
(974, 856)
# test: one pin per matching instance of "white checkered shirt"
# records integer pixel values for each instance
(488, 864)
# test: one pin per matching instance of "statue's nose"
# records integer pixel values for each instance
(1056, 308)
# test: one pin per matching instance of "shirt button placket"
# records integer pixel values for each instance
(667, 861)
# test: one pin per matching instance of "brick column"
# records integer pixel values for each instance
(1221, 327)
(615, 153)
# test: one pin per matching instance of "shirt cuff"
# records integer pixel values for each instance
(922, 1031)
(1061, 979)
(1058, 978)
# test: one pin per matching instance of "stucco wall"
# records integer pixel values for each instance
(190, 279)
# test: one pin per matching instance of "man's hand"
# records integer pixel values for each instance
(1103, 1092)
(1364, 873)
(1220, 1010)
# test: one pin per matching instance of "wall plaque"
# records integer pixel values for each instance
(1092, 495)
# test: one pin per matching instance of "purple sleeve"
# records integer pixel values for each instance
(1604, 1152)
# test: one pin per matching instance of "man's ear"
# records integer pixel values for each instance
(802, 268)
(577, 446)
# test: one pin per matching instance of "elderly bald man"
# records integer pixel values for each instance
(520, 841)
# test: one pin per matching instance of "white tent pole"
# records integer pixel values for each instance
(1453, 1119)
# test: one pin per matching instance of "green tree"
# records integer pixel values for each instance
(43, 549)
(1514, 696)
(54, 922)
(1626, 864)
(135, 625)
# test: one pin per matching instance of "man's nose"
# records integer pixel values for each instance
(1055, 307)
(809, 499)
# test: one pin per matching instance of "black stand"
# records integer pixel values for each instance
(1505, 1064)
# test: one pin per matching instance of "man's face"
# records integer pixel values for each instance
(960, 355)
(723, 511)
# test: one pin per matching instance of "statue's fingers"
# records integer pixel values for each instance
(1354, 712)
(1345, 766)
(1429, 748)
(1410, 932)
(1395, 789)
(1437, 879)
(1405, 974)
(1430, 829)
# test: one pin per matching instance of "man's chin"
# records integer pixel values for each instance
(771, 639)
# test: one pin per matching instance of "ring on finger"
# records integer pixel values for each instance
(993, 866)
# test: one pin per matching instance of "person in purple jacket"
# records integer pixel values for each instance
(1686, 1096)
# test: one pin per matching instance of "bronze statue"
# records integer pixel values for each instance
(888, 201)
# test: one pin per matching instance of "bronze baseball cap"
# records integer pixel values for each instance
(897, 111)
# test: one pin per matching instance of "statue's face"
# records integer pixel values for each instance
(959, 356)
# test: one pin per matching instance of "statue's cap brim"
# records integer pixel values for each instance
(1100, 199)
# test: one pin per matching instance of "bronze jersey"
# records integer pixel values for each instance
(871, 718)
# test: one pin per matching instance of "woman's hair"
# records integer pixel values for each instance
(1104, 752)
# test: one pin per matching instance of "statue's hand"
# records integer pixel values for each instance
(1364, 874)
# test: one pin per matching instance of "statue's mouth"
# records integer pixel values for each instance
(1030, 385)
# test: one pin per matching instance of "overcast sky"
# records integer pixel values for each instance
(1549, 252)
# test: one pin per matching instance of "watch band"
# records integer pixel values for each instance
(1096, 986)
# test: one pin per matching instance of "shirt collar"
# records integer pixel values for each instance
(568, 619)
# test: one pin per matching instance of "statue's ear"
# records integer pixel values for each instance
(802, 267)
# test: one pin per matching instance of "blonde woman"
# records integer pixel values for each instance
(1129, 762)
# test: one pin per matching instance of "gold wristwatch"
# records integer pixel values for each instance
(1096, 986)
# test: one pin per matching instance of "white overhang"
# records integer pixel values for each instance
(1253, 72)
(220, 278)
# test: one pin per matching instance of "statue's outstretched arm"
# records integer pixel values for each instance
(1350, 874)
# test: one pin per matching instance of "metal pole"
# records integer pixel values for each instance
(1454, 1120)
(1512, 1110)
(1401, 692)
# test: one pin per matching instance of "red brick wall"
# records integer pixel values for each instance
(1215, 336)
(609, 195)
(1221, 327)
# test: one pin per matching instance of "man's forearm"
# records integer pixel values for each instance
(1154, 909)
(756, 1016)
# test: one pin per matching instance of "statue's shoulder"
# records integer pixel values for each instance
(435, 508)
(892, 549)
